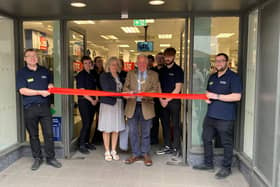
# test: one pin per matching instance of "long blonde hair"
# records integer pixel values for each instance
(109, 62)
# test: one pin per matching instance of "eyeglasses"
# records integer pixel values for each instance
(31, 56)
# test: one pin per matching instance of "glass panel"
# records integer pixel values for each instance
(250, 84)
(212, 35)
(76, 51)
(8, 120)
(44, 37)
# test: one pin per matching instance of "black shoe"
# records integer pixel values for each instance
(84, 150)
(53, 162)
(223, 173)
(90, 146)
(203, 167)
(36, 164)
(165, 150)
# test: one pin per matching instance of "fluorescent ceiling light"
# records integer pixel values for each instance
(165, 36)
(156, 2)
(150, 20)
(130, 29)
(224, 35)
(34, 23)
(84, 22)
(109, 37)
(136, 41)
(78, 4)
(132, 50)
(123, 45)
(164, 45)
(50, 29)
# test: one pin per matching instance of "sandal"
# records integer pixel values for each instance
(115, 155)
(108, 156)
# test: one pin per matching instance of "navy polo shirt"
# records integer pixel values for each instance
(86, 80)
(226, 84)
(169, 77)
(36, 80)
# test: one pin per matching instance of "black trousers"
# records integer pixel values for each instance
(172, 112)
(97, 137)
(223, 128)
(32, 116)
(87, 111)
(155, 127)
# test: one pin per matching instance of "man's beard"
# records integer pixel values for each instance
(221, 69)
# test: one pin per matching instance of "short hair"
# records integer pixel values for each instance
(29, 50)
(96, 58)
(151, 57)
(160, 53)
(170, 51)
(85, 58)
(223, 54)
(142, 55)
(109, 62)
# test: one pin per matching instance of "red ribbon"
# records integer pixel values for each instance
(70, 91)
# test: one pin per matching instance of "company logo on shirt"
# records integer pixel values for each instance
(211, 83)
(30, 80)
(43, 76)
(223, 82)
(171, 74)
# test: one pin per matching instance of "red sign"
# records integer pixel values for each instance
(43, 43)
(77, 66)
(128, 66)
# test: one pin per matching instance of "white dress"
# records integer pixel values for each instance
(111, 117)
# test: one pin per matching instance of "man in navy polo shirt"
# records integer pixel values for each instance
(33, 82)
(224, 91)
(171, 80)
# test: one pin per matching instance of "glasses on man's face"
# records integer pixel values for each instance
(31, 57)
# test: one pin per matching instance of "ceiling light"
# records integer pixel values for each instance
(131, 50)
(224, 35)
(164, 45)
(50, 29)
(165, 36)
(34, 23)
(109, 37)
(150, 20)
(78, 4)
(156, 2)
(123, 45)
(130, 29)
(84, 22)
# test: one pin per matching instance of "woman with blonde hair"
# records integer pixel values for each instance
(111, 114)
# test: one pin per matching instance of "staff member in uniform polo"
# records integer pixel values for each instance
(171, 80)
(223, 90)
(86, 79)
(33, 82)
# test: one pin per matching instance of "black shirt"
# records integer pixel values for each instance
(86, 80)
(36, 80)
(169, 77)
(226, 84)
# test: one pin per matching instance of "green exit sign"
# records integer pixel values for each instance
(139, 22)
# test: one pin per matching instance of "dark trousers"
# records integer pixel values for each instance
(139, 148)
(97, 137)
(172, 112)
(155, 127)
(32, 116)
(224, 129)
(87, 111)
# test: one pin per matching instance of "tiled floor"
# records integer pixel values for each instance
(93, 171)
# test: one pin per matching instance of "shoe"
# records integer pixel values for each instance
(90, 146)
(36, 164)
(53, 162)
(132, 159)
(84, 150)
(107, 156)
(147, 160)
(203, 167)
(165, 150)
(114, 154)
(223, 173)
(176, 156)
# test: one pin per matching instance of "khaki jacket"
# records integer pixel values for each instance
(151, 84)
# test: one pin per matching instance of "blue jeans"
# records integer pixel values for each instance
(134, 133)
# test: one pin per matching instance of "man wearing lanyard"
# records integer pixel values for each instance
(171, 80)
(223, 90)
(33, 82)
(140, 110)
